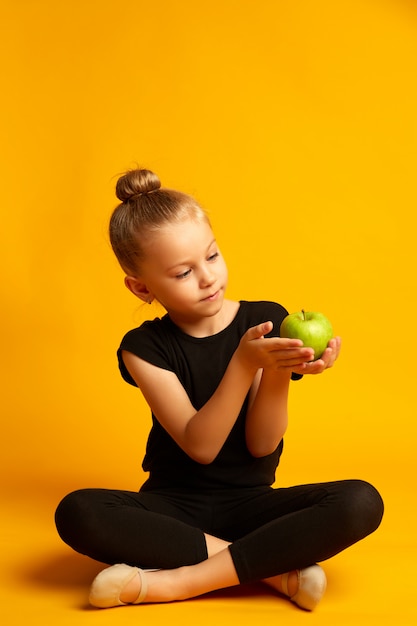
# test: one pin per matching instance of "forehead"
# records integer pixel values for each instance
(178, 241)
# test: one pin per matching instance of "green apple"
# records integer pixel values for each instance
(314, 330)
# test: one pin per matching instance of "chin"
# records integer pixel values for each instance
(214, 307)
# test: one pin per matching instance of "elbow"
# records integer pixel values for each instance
(258, 453)
(200, 453)
(203, 457)
(200, 449)
(204, 460)
(259, 449)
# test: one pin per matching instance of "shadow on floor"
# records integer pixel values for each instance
(73, 571)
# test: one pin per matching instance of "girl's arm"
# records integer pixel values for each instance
(201, 434)
(267, 417)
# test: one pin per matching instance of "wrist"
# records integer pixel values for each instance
(244, 363)
(279, 379)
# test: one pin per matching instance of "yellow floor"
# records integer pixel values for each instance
(43, 581)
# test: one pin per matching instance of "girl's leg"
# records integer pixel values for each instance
(216, 545)
(172, 583)
(113, 526)
(306, 524)
(312, 524)
(216, 572)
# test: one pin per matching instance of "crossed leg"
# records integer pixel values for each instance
(314, 522)
(216, 572)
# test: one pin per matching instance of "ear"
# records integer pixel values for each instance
(138, 288)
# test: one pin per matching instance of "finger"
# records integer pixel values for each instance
(283, 343)
(338, 345)
(294, 359)
(335, 343)
(256, 332)
(328, 356)
(332, 351)
(326, 361)
(315, 367)
(293, 352)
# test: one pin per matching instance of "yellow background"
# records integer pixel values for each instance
(294, 124)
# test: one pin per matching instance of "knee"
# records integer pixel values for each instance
(364, 507)
(71, 515)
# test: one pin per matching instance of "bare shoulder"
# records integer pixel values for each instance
(142, 371)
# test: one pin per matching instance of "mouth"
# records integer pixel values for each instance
(212, 297)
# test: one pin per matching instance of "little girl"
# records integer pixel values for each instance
(216, 376)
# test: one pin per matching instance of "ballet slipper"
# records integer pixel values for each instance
(311, 587)
(109, 584)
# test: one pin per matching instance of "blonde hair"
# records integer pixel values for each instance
(145, 207)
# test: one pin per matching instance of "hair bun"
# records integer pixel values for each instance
(135, 183)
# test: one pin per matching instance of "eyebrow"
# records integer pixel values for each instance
(186, 262)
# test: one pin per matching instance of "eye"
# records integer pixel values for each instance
(183, 275)
(213, 256)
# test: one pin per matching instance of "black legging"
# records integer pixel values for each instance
(272, 530)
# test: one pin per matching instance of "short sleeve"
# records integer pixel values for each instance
(150, 343)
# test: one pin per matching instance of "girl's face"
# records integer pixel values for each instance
(184, 271)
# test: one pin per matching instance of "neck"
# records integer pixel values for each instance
(208, 326)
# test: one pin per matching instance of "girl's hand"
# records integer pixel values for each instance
(326, 360)
(276, 353)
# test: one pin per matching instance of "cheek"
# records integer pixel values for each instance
(224, 270)
(183, 291)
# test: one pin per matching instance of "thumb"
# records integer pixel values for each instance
(256, 332)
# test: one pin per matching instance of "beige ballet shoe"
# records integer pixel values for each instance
(311, 587)
(109, 584)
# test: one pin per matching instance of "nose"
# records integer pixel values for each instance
(207, 277)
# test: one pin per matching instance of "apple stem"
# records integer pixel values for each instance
(303, 312)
